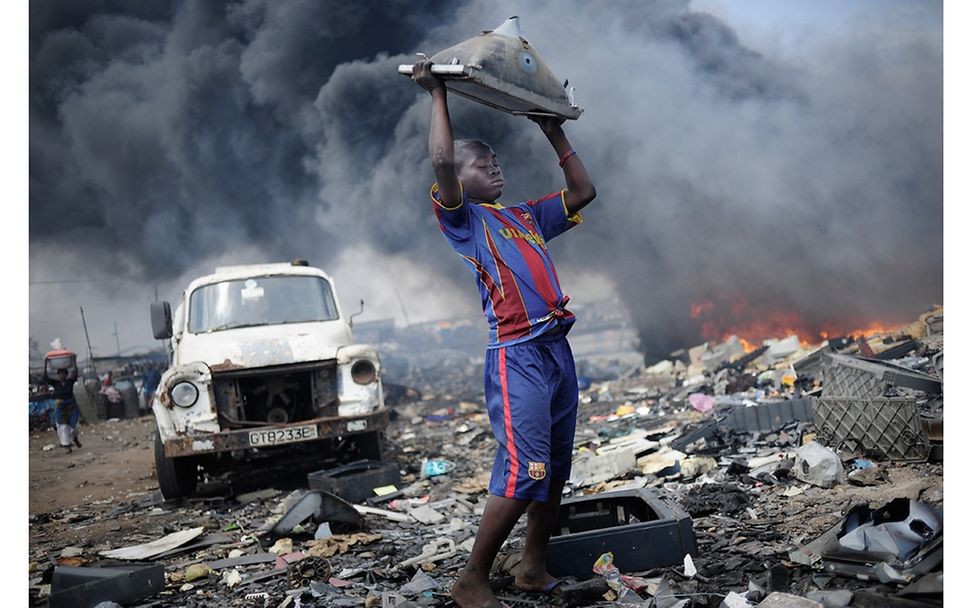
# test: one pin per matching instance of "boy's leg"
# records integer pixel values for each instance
(517, 404)
(542, 517)
(472, 587)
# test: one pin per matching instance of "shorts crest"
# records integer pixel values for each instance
(536, 470)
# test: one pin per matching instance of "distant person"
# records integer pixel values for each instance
(529, 371)
(66, 411)
(150, 382)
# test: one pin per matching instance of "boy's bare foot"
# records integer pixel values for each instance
(470, 593)
(537, 582)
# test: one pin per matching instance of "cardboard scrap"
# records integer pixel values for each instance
(340, 543)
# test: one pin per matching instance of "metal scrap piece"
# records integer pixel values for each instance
(318, 505)
(500, 69)
(302, 572)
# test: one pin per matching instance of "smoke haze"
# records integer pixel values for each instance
(166, 138)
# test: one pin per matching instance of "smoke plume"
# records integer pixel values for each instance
(165, 136)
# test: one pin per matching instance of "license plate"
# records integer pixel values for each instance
(292, 434)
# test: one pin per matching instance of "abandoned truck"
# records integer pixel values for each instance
(263, 365)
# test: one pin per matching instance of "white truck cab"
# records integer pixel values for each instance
(262, 357)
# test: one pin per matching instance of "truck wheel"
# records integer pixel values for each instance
(176, 476)
(370, 445)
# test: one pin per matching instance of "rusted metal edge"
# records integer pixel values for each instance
(226, 373)
(211, 443)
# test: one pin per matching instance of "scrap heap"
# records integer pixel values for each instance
(787, 475)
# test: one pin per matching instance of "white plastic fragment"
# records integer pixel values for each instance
(323, 531)
(735, 600)
(689, 570)
(150, 549)
(232, 578)
(818, 465)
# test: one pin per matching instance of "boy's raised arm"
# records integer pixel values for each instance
(441, 135)
(579, 190)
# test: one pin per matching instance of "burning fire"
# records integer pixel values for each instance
(735, 316)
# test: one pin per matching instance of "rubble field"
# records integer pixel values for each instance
(754, 448)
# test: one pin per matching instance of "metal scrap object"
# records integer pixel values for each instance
(318, 505)
(301, 573)
(500, 69)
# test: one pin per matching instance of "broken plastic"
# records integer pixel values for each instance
(897, 530)
(435, 468)
(320, 507)
(889, 553)
(156, 547)
(818, 465)
(606, 569)
(701, 402)
(72, 587)
(433, 551)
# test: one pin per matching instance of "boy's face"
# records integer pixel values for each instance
(480, 172)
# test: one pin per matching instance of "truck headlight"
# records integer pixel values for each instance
(363, 372)
(184, 394)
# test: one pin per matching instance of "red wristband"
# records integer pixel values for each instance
(564, 158)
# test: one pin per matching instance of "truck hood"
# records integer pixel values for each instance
(265, 345)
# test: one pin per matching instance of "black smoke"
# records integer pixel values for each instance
(165, 134)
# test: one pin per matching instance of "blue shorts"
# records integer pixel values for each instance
(532, 401)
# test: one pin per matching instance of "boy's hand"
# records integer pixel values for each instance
(423, 76)
(549, 124)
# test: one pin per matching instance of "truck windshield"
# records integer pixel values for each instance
(260, 301)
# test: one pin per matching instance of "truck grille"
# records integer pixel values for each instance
(276, 395)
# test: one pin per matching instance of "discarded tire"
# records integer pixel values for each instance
(176, 476)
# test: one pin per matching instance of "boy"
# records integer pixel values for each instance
(529, 372)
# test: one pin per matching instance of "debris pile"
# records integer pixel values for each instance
(786, 475)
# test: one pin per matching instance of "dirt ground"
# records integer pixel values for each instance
(115, 460)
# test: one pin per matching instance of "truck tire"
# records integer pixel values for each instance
(176, 476)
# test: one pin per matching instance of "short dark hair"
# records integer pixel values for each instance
(470, 148)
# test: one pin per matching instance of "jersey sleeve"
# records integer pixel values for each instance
(551, 215)
(455, 222)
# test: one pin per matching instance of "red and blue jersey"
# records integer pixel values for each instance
(506, 250)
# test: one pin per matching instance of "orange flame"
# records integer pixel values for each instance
(733, 315)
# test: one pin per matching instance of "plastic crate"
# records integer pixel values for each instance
(885, 428)
(642, 528)
(355, 481)
(845, 376)
(769, 416)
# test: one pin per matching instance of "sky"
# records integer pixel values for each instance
(756, 161)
